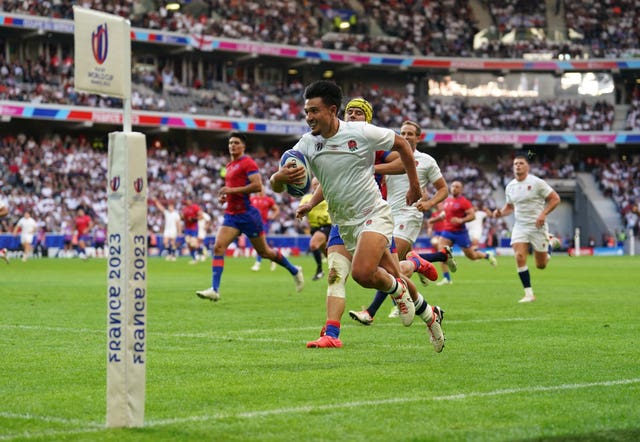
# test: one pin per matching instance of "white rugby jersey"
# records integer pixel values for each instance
(171, 221)
(344, 166)
(528, 198)
(29, 226)
(398, 185)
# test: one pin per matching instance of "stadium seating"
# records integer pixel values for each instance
(442, 28)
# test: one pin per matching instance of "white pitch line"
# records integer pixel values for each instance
(92, 427)
(50, 434)
(85, 427)
(358, 404)
(228, 333)
(244, 335)
(52, 420)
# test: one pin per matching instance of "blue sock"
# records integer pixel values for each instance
(434, 257)
(447, 276)
(258, 258)
(217, 266)
(284, 262)
(332, 329)
(525, 277)
(378, 299)
(415, 262)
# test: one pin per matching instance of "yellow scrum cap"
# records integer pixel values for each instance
(363, 105)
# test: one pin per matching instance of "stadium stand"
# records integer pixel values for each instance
(443, 28)
(40, 83)
(261, 83)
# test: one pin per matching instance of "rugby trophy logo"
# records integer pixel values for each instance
(100, 43)
(138, 185)
(114, 184)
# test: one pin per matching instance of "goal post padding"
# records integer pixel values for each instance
(126, 279)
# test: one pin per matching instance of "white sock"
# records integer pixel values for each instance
(395, 288)
(427, 314)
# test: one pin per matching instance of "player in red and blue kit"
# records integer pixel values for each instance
(189, 215)
(456, 211)
(84, 224)
(269, 210)
(242, 179)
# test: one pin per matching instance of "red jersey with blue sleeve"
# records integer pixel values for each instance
(381, 155)
(190, 217)
(83, 222)
(455, 208)
(264, 204)
(238, 173)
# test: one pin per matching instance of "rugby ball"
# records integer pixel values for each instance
(298, 160)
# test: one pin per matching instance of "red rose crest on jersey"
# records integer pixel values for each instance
(368, 222)
(352, 145)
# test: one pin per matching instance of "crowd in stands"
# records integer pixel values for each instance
(522, 115)
(510, 14)
(620, 180)
(54, 176)
(50, 82)
(432, 28)
(610, 28)
(440, 28)
(632, 121)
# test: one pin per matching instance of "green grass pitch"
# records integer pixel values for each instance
(565, 368)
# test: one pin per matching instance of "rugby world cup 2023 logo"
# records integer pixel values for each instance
(138, 185)
(100, 43)
(114, 184)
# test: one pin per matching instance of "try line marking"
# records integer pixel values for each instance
(93, 427)
(251, 331)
